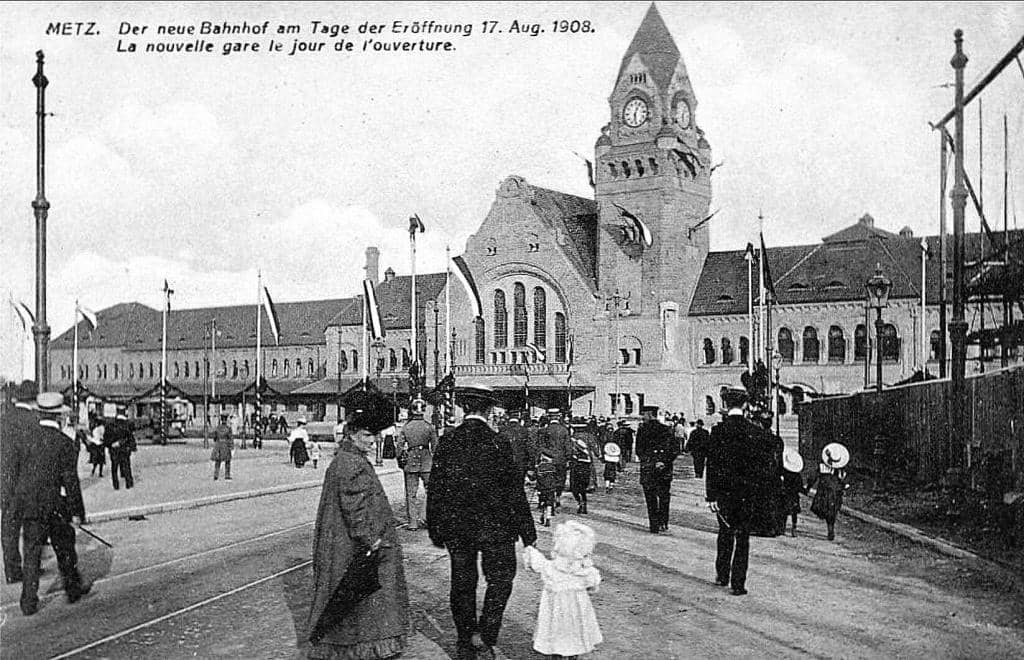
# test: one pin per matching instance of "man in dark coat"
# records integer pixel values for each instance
(698, 444)
(739, 475)
(49, 497)
(657, 449)
(18, 429)
(120, 442)
(476, 506)
(556, 441)
(624, 439)
(524, 448)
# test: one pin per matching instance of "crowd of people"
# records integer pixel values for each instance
(476, 507)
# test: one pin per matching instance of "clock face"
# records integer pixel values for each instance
(683, 114)
(635, 112)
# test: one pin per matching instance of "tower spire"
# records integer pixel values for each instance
(656, 48)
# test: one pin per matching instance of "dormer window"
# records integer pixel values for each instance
(835, 284)
(796, 286)
(725, 298)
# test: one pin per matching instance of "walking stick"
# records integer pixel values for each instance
(94, 536)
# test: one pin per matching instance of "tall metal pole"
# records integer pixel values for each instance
(924, 327)
(414, 389)
(206, 393)
(339, 374)
(74, 368)
(762, 352)
(163, 366)
(981, 236)
(257, 431)
(41, 208)
(749, 256)
(1004, 349)
(958, 326)
(943, 166)
(437, 349)
(878, 351)
(448, 308)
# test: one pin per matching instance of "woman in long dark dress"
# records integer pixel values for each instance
(354, 519)
(831, 482)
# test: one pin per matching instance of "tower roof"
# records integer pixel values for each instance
(656, 48)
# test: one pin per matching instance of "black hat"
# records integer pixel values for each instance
(480, 392)
(26, 391)
(369, 411)
(649, 409)
(734, 397)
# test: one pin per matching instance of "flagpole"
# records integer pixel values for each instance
(366, 348)
(750, 308)
(447, 308)
(163, 367)
(257, 441)
(213, 368)
(924, 332)
(74, 367)
(415, 346)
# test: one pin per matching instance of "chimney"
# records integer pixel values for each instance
(867, 220)
(389, 274)
(372, 265)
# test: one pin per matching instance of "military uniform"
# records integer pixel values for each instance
(416, 443)
(656, 445)
(17, 430)
(48, 496)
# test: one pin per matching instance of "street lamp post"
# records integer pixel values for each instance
(617, 299)
(878, 288)
(777, 363)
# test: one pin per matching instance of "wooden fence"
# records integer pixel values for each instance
(908, 429)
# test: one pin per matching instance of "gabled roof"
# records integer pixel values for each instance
(656, 48)
(394, 300)
(574, 217)
(832, 271)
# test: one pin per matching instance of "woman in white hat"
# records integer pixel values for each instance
(792, 486)
(831, 482)
(298, 439)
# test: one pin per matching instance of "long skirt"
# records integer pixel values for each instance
(828, 500)
(579, 478)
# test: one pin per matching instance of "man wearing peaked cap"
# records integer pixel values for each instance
(18, 428)
(49, 498)
(120, 442)
(476, 507)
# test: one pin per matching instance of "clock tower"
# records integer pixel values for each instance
(653, 179)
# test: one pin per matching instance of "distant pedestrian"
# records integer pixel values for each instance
(120, 442)
(792, 487)
(830, 482)
(579, 477)
(612, 456)
(50, 499)
(313, 449)
(555, 438)
(566, 622)
(547, 481)
(298, 439)
(18, 429)
(624, 437)
(698, 445)
(94, 445)
(223, 446)
(523, 443)
(416, 443)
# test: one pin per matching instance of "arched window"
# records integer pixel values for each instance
(727, 353)
(117, 371)
(63, 372)
(782, 405)
(744, 349)
(890, 343)
(310, 368)
(836, 345)
(860, 343)
(812, 347)
(131, 371)
(392, 360)
(481, 349)
(223, 368)
(151, 370)
(786, 345)
(500, 320)
(561, 353)
(234, 369)
(709, 351)
(936, 339)
(141, 374)
(273, 367)
(177, 370)
(519, 328)
(287, 368)
(245, 368)
(709, 405)
(405, 358)
(186, 369)
(540, 317)
(355, 360)
(99, 372)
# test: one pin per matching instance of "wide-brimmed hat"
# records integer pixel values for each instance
(835, 455)
(369, 411)
(27, 390)
(49, 402)
(300, 420)
(792, 461)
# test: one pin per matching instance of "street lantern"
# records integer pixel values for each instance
(777, 364)
(878, 288)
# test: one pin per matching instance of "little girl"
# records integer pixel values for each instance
(792, 486)
(831, 482)
(612, 456)
(566, 622)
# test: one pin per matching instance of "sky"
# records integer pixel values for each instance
(203, 168)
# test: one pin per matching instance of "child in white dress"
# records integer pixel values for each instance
(566, 622)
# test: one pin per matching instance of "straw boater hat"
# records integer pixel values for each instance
(792, 461)
(300, 420)
(49, 403)
(835, 455)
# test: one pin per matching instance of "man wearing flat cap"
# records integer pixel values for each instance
(18, 429)
(49, 497)
(476, 507)
(739, 469)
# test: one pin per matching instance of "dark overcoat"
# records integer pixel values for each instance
(524, 448)
(354, 512)
(119, 438)
(222, 443)
(655, 444)
(476, 494)
(49, 464)
(18, 429)
(742, 475)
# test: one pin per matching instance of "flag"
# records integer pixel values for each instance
(168, 291)
(769, 284)
(538, 350)
(748, 254)
(28, 319)
(88, 315)
(590, 169)
(275, 325)
(372, 311)
(415, 224)
(638, 224)
(469, 284)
